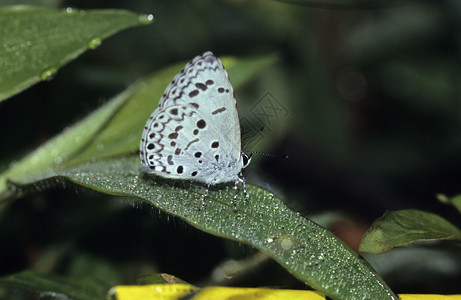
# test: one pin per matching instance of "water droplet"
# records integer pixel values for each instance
(94, 43)
(286, 243)
(269, 240)
(100, 147)
(146, 19)
(58, 160)
(69, 10)
(48, 74)
(159, 289)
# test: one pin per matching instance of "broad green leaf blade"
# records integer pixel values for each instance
(37, 41)
(398, 228)
(71, 287)
(116, 127)
(305, 249)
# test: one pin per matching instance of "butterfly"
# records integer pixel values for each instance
(194, 134)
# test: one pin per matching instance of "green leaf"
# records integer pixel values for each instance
(402, 227)
(305, 249)
(455, 201)
(37, 41)
(99, 134)
(77, 288)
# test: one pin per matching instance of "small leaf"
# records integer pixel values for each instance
(76, 288)
(455, 201)
(37, 41)
(402, 227)
(305, 249)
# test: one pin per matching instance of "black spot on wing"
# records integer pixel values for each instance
(193, 93)
(201, 123)
(201, 86)
(219, 110)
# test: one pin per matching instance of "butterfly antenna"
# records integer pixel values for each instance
(269, 154)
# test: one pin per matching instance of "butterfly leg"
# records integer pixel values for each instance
(205, 196)
(236, 192)
(242, 179)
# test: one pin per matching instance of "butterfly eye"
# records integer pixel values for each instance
(246, 159)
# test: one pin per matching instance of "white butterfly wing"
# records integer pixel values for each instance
(195, 132)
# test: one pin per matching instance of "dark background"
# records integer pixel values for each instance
(369, 92)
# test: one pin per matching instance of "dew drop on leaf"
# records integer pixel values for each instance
(48, 74)
(146, 19)
(94, 43)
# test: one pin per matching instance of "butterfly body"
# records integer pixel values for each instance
(194, 134)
